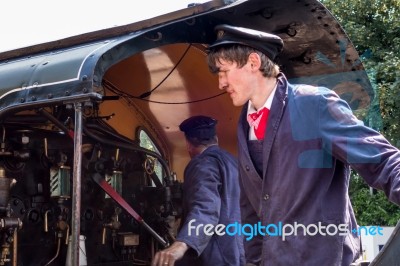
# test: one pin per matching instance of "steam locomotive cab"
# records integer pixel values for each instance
(36, 177)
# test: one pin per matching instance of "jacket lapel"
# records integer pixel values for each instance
(243, 135)
(275, 116)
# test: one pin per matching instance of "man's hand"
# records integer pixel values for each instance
(170, 255)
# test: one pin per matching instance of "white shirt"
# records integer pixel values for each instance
(251, 109)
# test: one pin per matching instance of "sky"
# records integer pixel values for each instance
(27, 22)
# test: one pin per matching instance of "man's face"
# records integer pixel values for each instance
(191, 149)
(235, 81)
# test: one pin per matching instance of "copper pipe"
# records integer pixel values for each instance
(15, 247)
(117, 155)
(67, 236)
(103, 236)
(46, 224)
(58, 251)
(45, 147)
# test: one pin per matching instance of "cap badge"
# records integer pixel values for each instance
(220, 34)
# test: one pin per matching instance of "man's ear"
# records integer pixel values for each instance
(255, 61)
(188, 145)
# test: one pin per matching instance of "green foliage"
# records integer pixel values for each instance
(373, 26)
(371, 208)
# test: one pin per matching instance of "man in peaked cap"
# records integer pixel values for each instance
(296, 145)
(210, 198)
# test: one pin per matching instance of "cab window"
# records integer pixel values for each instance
(146, 142)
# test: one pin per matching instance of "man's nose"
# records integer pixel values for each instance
(222, 85)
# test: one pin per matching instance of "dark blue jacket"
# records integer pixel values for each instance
(211, 195)
(312, 140)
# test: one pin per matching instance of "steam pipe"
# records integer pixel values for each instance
(46, 222)
(106, 131)
(76, 191)
(103, 235)
(15, 247)
(67, 235)
(24, 119)
(58, 251)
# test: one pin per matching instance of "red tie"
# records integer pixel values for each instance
(259, 120)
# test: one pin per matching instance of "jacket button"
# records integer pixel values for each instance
(266, 197)
(247, 168)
